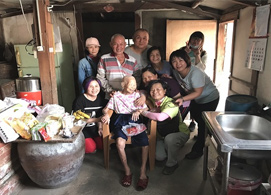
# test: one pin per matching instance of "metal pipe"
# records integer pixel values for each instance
(38, 16)
(226, 171)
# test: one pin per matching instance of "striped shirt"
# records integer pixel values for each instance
(111, 71)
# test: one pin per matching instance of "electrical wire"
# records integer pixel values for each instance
(27, 25)
(30, 43)
(63, 4)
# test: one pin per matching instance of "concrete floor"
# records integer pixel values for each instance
(94, 179)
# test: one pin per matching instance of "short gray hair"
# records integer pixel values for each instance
(116, 35)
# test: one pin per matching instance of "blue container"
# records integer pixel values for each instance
(241, 103)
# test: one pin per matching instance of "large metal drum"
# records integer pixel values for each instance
(51, 165)
(29, 88)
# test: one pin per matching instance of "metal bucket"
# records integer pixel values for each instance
(243, 179)
(28, 84)
(29, 88)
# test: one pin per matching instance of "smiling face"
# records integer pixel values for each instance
(118, 45)
(141, 39)
(148, 76)
(93, 50)
(178, 64)
(157, 91)
(93, 88)
(155, 57)
(129, 85)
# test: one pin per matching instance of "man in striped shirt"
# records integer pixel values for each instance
(115, 65)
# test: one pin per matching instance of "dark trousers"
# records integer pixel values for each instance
(196, 112)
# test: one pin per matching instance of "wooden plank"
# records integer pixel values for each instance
(245, 83)
(254, 82)
(229, 16)
(137, 21)
(46, 56)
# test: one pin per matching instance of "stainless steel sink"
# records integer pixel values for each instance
(246, 136)
(246, 127)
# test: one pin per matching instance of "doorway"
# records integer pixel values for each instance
(223, 63)
(179, 31)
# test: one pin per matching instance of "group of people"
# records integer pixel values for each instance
(138, 84)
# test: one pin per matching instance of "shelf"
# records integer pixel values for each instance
(56, 139)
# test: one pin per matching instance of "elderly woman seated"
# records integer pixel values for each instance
(127, 113)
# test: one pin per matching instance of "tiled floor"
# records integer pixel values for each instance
(94, 179)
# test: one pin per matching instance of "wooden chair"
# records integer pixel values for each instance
(107, 141)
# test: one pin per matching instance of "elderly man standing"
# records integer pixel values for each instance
(140, 47)
(115, 65)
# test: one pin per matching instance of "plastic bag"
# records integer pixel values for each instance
(50, 109)
(7, 133)
(133, 129)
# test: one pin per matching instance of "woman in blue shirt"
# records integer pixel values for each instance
(87, 66)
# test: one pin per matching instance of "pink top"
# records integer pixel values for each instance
(124, 104)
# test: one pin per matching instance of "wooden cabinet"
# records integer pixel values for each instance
(7, 88)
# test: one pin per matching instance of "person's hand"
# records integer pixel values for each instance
(135, 115)
(140, 101)
(197, 51)
(166, 76)
(187, 47)
(155, 109)
(100, 131)
(90, 120)
(112, 93)
(179, 101)
(105, 119)
(142, 110)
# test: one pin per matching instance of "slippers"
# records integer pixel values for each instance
(126, 180)
(142, 184)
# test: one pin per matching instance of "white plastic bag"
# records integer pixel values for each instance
(7, 133)
(50, 109)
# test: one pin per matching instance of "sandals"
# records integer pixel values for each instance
(142, 184)
(126, 180)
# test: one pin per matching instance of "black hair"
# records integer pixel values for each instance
(163, 83)
(150, 69)
(152, 49)
(197, 34)
(180, 53)
(146, 69)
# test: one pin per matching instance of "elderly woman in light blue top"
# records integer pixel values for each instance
(201, 91)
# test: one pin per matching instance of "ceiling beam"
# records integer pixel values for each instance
(187, 9)
(251, 4)
(196, 4)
